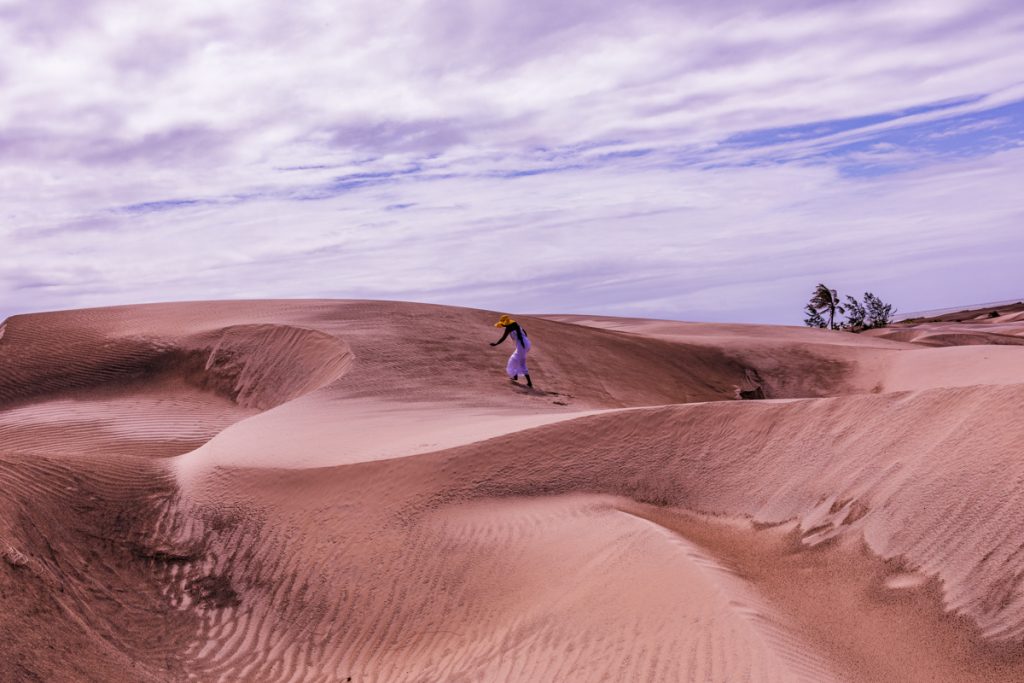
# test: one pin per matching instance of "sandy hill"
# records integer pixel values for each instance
(335, 490)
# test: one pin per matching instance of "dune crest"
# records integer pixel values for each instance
(318, 490)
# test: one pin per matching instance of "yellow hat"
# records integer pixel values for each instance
(504, 321)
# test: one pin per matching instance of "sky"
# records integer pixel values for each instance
(692, 160)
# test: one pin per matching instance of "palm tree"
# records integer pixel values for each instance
(813, 318)
(825, 299)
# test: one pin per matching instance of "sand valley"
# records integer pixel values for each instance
(352, 490)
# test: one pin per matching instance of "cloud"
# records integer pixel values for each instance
(679, 159)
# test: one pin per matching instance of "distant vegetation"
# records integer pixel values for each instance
(872, 312)
(823, 300)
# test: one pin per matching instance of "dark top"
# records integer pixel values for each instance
(514, 327)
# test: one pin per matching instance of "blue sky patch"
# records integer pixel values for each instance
(161, 205)
(822, 129)
(891, 149)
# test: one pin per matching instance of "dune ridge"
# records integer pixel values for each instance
(318, 490)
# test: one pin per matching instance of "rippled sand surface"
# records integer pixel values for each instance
(335, 490)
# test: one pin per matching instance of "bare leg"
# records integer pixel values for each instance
(529, 382)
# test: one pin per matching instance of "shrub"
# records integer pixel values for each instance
(879, 313)
(856, 314)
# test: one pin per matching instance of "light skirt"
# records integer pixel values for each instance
(517, 361)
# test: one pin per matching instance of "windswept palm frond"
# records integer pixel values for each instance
(826, 299)
(823, 297)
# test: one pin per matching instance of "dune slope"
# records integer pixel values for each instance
(323, 490)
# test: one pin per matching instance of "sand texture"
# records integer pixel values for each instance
(352, 490)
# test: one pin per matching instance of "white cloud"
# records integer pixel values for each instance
(108, 105)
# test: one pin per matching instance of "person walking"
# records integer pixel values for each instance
(517, 361)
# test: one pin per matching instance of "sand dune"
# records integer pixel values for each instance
(325, 490)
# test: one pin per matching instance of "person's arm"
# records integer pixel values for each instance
(503, 337)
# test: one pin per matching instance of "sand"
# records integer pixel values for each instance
(325, 490)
